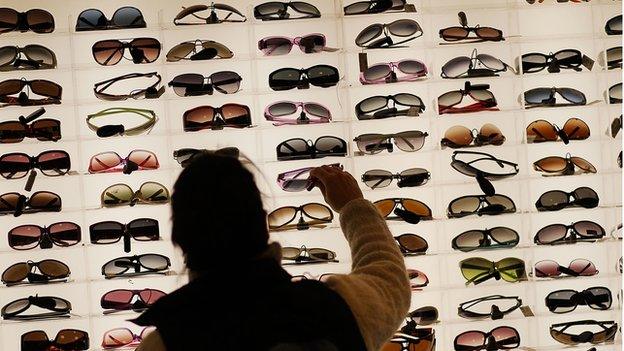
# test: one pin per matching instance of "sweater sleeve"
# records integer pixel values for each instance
(377, 290)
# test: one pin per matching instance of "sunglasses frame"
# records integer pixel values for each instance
(125, 231)
(391, 77)
(17, 63)
(488, 339)
(475, 60)
(23, 205)
(22, 24)
(479, 105)
(303, 117)
(109, 130)
(399, 176)
(564, 270)
(403, 213)
(83, 342)
(494, 271)
(476, 137)
(612, 20)
(482, 199)
(573, 237)
(36, 278)
(406, 251)
(389, 112)
(609, 332)
(45, 238)
(283, 13)
(614, 100)
(486, 243)
(38, 301)
(495, 314)
(583, 297)
(310, 258)
(109, 25)
(262, 44)
(200, 55)
(568, 170)
(210, 19)
(137, 196)
(151, 92)
(127, 166)
(34, 163)
(312, 152)
(561, 133)
(137, 306)
(384, 142)
(28, 124)
(552, 63)
(576, 202)
(379, 9)
(126, 44)
(613, 64)
(302, 225)
(135, 261)
(23, 98)
(217, 122)
(304, 81)
(207, 87)
(552, 101)
(386, 42)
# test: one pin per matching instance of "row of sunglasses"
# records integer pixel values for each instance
(41, 21)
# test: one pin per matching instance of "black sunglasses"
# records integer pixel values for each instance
(562, 59)
(555, 234)
(40, 201)
(123, 17)
(323, 76)
(186, 155)
(140, 264)
(614, 26)
(614, 57)
(483, 167)
(477, 65)
(51, 163)
(555, 200)
(566, 300)
(378, 107)
(66, 339)
(15, 310)
(219, 13)
(480, 205)
(151, 92)
(36, 20)
(299, 149)
(454, 34)
(493, 238)
(45, 129)
(493, 306)
(194, 84)
(374, 6)
(615, 94)
(541, 97)
(276, 10)
(110, 232)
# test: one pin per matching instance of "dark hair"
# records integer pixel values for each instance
(217, 212)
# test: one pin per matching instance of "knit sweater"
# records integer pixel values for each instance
(377, 290)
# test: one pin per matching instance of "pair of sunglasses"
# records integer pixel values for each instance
(493, 238)
(412, 244)
(460, 136)
(378, 107)
(562, 59)
(39, 201)
(29, 57)
(493, 306)
(141, 264)
(557, 165)
(108, 130)
(555, 234)
(285, 218)
(407, 70)
(369, 37)
(541, 131)
(607, 332)
(122, 194)
(455, 33)
(309, 44)
(65, 340)
(303, 255)
(484, 99)
(193, 84)
(546, 97)
(577, 268)
(379, 178)
(52, 163)
(110, 232)
(51, 92)
(121, 300)
(298, 179)
(45, 129)
(374, 6)
(301, 149)
(480, 205)
(219, 13)
(477, 65)
(29, 236)
(555, 200)
(110, 161)
(49, 271)
(408, 141)
(410, 210)
(123, 18)
(323, 76)
(36, 20)
(566, 300)
(124, 337)
(276, 10)
(150, 92)
(18, 309)
(216, 118)
(500, 338)
(186, 155)
(110, 52)
(285, 113)
(477, 270)
(208, 49)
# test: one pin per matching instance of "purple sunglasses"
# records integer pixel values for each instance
(283, 113)
(387, 72)
(298, 179)
(311, 43)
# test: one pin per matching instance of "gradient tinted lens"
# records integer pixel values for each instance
(188, 84)
(221, 50)
(144, 229)
(16, 273)
(547, 268)
(143, 159)
(236, 115)
(552, 164)
(454, 33)
(150, 296)
(425, 315)
(553, 200)
(53, 163)
(44, 130)
(282, 109)
(417, 208)
(312, 43)
(8, 19)
(53, 269)
(569, 58)
(40, 21)
(8, 54)
(413, 177)
(561, 301)
(583, 164)
(488, 33)
(551, 233)
(14, 166)
(404, 28)
(180, 51)
(91, 19)
(275, 46)
(456, 67)
(316, 110)
(449, 99)
(128, 17)
(469, 240)
(145, 50)
(412, 67)
(471, 340)
(588, 229)
(377, 178)
(598, 298)
(11, 86)
(490, 134)
(369, 33)
(321, 254)
(506, 337)
(572, 95)
(377, 72)
(116, 299)
(458, 136)
(583, 267)
(373, 103)
(108, 52)
(417, 278)
(281, 216)
(226, 82)
(576, 129)
(154, 262)
(104, 161)
(541, 130)
(318, 212)
(45, 201)
(409, 141)
(41, 54)
(24, 237)
(153, 192)
(615, 92)
(586, 197)
(117, 337)
(106, 232)
(614, 57)
(323, 76)
(305, 7)
(116, 195)
(198, 118)
(491, 62)
(412, 243)
(537, 95)
(614, 25)
(293, 148)
(469, 204)
(65, 233)
(270, 8)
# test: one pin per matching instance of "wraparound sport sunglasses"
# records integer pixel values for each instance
(18, 309)
(493, 306)
(562, 59)
(121, 300)
(371, 36)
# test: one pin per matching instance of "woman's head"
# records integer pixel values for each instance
(217, 212)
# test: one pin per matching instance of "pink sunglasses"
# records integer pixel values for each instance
(380, 73)
(122, 337)
(284, 113)
(110, 161)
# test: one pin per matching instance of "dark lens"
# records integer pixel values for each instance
(187, 84)
(553, 200)
(412, 243)
(569, 58)
(469, 240)
(54, 163)
(412, 67)
(40, 21)
(551, 234)
(129, 17)
(561, 301)
(449, 99)
(404, 27)
(321, 254)
(475, 267)
(154, 262)
(410, 141)
(506, 337)
(541, 130)
(150, 296)
(583, 267)
(371, 143)
(457, 136)
(413, 177)
(293, 148)
(454, 33)
(377, 72)
(8, 19)
(144, 229)
(180, 51)
(16, 273)
(72, 339)
(373, 103)
(44, 129)
(588, 229)
(12, 132)
(281, 109)
(614, 25)
(488, 33)
(574, 96)
(226, 82)
(533, 62)
(537, 95)
(106, 232)
(598, 298)
(117, 194)
(504, 236)
(312, 43)
(145, 50)
(24, 237)
(464, 205)
(614, 57)
(284, 79)
(586, 197)
(108, 52)
(323, 76)
(369, 33)
(377, 178)
(65, 233)
(425, 315)
(269, 8)
(304, 7)
(91, 19)
(53, 269)
(409, 100)
(491, 62)
(470, 340)
(456, 67)
(198, 118)
(359, 7)
(236, 115)
(327, 146)
(46, 88)
(8, 54)
(511, 269)
(117, 266)
(14, 166)
(615, 92)
(274, 46)
(11, 86)
(317, 110)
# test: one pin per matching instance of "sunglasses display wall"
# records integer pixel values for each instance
(387, 90)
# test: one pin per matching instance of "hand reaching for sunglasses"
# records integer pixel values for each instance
(338, 187)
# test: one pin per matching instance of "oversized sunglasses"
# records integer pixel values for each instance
(566, 300)
(408, 141)
(309, 43)
(546, 97)
(106, 162)
(194, 84)
(285, 218)
(409, 69)
(607, 332)
(51, 92)
(555, 200)
(410, 210)
(150, 92)
(65, 340)
(493, 238)
(216, 118)
(480, 205)
(411, 244)
(557, 165)
(323, 76)
(369, 37)
(614, 25)
(51, 163)
(300, 149)
(378, 107)
(49, 271)
(110, 232)
(45, 129)
(139, 264)
(124, 337)
(577, 268)
(305, 255)
(298, 179)
(186, 155)
(455, 33)
(492, 306)
(110, 52)
(573, 129)
(374, 6)
(484, 99)
(122, 194)
(285, 113)
(477, 270)
(477, 65)
(18, 309)
(276, 10)
(208, 49)
(555, 234)
(460, 136)
(219, 13)
(146, 121)
(29, 236)
(121, 299)
(562, 59)
(29, 57)
(123, 18)
(36, 20)
(379, 178)
(501, 338)
(40, 201)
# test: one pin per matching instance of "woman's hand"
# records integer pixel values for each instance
(338, 187)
